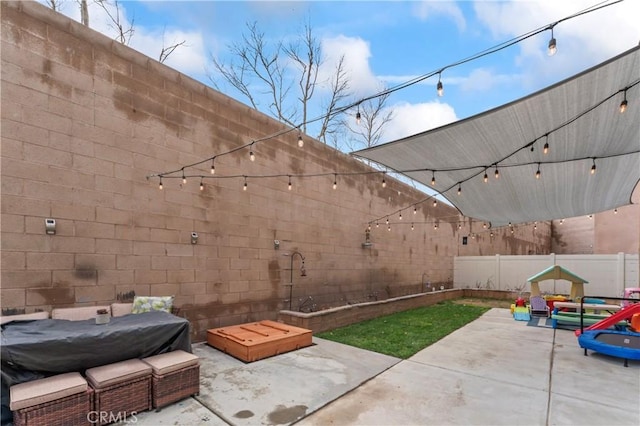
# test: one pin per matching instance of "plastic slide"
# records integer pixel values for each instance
(611, 320)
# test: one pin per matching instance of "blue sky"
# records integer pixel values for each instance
(390, 42)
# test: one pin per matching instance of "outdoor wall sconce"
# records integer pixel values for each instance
(276, 244)
(194, 238)
(50, 226)
(367, 239)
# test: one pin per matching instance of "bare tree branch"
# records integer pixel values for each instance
(339, 92)
(124, 33)
(374, 117)
(168, 50)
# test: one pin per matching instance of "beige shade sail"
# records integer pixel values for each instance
(578, 118)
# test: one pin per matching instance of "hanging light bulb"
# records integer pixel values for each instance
(387, 221)
(244, 188)
(590, 216)
(435, 226)
(433, 178)
(389, 228)
(538, 172)
(335, 181)
(439, 86)
(384, 182)
(497, 173)
(615, 211)
(484, 225)
(545, 148)
(593, 168)
(623, 104)
(358, 115)
(485, 178)
(252, 157)
(412, 226)
(415, 210)
(184, 178)
(290, 186)
(552, 45)
(377, 224)
(459, 189)
(435, 202)
(201, 184)
(400, 217)
(459, 226)
(160, 184)
(561, 221)
(300, 140)
(213, 167)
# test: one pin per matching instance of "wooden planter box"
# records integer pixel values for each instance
(257, 340)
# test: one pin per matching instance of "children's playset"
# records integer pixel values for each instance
(609, 326)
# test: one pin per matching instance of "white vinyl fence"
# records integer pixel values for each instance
(608, 274)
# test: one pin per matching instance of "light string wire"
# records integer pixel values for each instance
(388, 91)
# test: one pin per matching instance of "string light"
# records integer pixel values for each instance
(439, 86)
(593, 168)
(213, 167)
(485, 178)
(623, 104)
(377, 225)
(389, 228)
(300, 140)
(415, 210)
(433, 178)
(335, 180)
(435, 226)
(358, 116)
(387, 221)
(290, 186)
(552, 45)
(412, 227)
(538, 172)
(615, 211)
(160, 184)
(561, 221)
(400, 217)
(201, 184)
(497, 174)
(435, 202)
(459, 189)
(384, 182)
(244, 188)
(184, 178)
(252, 157)
(545, 149)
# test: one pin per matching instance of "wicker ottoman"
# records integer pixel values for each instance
(176, 375)
(64, 399)
(121, 389)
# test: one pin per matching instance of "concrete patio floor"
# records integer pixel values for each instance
(494, 371)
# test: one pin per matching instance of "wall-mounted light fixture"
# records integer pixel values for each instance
(50, 226)
(194, 238)
(276, 244)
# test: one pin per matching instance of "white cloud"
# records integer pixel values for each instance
(356, 54)
(189, 58)
(429, 8)
(486, 79)
(410, 119)
(582, 41)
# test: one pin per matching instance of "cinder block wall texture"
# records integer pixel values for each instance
(85, 120)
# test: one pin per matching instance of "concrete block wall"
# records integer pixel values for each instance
(85, 120)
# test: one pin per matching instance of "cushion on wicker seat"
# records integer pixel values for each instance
(121, 309)
(171, 361)
(40, 391)
(110, 374)
(78, 314)
(24, 317)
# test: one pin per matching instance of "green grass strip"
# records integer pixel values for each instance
(405, 333)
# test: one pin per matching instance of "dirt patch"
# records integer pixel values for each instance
(488, 303)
